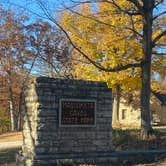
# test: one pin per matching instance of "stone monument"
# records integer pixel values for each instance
(66, 121)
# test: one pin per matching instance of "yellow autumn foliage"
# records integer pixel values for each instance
(105, 35)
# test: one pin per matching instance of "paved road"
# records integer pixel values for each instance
(10, 145)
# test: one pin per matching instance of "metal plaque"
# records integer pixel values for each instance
(74, 112)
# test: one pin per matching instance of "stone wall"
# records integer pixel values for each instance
(45, 142)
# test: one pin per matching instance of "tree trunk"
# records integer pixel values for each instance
(116, 103)
(12, 106)
(21, 107)
(50, 68)
(146, 128)
(12, 116)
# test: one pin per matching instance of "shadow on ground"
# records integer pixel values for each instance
(7, 157)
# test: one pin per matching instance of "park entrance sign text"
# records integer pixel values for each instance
(74, 112)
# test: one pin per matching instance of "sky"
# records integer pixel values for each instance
(34, 11)
(32, 8)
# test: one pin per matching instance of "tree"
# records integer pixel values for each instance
(104, 49)
(12, 61)
(51, 49)
(24, 45)
(150, 17)
(4, 114)
(150, 40)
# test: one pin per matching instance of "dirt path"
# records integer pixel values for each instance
(10, 140)
(11, 137)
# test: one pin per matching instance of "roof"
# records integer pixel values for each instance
(161, 97)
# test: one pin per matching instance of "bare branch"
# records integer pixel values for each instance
(159, 2)
(88, 1)
(26, 9)
(158, 15)
(158, 53)
(156, 39)
(50, 63)
(161, 45)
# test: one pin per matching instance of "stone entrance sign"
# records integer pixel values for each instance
(65, 119)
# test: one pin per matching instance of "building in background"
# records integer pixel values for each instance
(130, 114)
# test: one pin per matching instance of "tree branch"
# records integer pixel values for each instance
(50, 63)
(96, 64)
(134, 29)
(160, 14)
(131, 13)
(158, 53)
(104, 23)
(113, 3)
(159, 2)
(89, 17)
(137, 4)
(156, 39)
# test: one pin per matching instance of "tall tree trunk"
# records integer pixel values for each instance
(21, 97)
(11, 102)
(146, 68)
(116, 103)
(12, 116)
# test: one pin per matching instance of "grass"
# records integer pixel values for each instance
(7, 158)
(130, 140)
